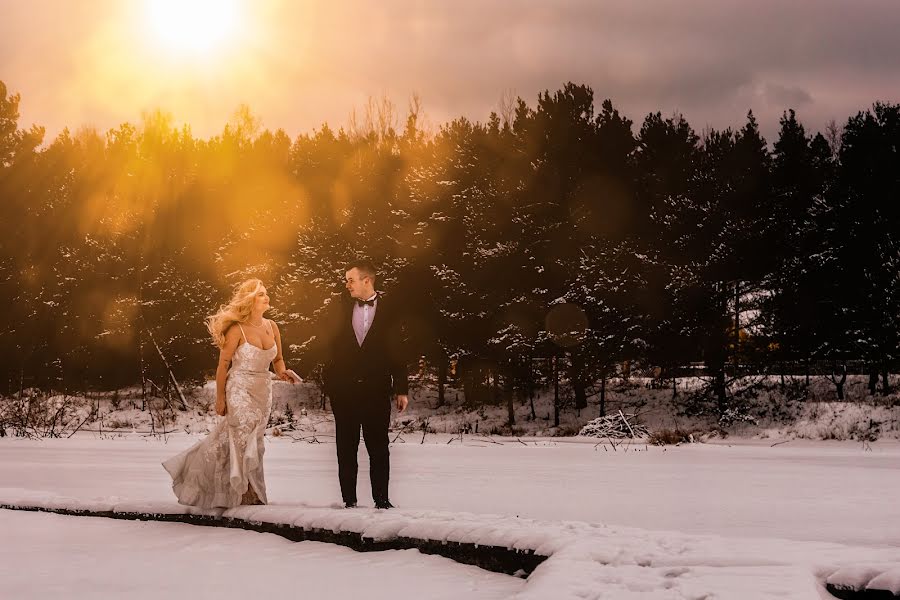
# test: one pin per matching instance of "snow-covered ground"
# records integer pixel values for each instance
(763, 409)
(738, 520)
(57, 556)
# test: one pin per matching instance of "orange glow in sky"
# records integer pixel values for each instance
(300, 63)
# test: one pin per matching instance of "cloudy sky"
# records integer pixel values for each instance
(299, 63)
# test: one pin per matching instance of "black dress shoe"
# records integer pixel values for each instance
(349, 504)
(384, 504)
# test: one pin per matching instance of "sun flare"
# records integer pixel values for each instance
(193, 26)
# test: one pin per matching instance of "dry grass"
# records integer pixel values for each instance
(668, 437)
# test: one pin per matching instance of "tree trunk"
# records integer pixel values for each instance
(442, 380)
(531, 387)
(531, 401)
(494, 374)
(468, 382)
(143, 371)
(578, 380)
(721, 396)
(603, 394)
(555, 391)
(886, 387)
(716, 351)
(873, 378)
(510, 402)
(140, 337)
(808, 361)
(737, 327)
(839, 383)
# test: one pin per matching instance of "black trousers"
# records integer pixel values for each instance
(373, 416)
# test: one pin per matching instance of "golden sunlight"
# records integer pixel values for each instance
(193, 26)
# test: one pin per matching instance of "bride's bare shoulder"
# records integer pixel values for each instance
(232, 333)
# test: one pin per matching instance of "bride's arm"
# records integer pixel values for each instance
(232, 339)
(278, 362)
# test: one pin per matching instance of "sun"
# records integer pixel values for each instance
(193, 26)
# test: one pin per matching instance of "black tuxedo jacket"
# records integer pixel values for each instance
(378, 368)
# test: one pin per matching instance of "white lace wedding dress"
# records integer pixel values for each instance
(226, 468)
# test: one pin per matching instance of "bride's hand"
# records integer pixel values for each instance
(289, 376)
(221, 408)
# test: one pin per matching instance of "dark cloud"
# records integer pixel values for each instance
(779, 95)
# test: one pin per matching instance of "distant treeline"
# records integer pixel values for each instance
(555, 229)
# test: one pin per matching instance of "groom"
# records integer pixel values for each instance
(364, 369)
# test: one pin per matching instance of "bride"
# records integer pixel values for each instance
(226, 468)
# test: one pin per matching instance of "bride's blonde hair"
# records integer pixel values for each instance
(236, 311)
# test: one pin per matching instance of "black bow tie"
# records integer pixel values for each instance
(362, 303)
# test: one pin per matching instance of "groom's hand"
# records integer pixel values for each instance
(402, 402)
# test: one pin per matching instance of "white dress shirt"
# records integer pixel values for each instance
(362, 318)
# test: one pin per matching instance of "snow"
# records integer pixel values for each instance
(888, 580)
(81, 557)
(719, 521)
(857, 577)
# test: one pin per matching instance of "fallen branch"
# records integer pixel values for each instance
(310, 439)
(168, 368)
(627, 424)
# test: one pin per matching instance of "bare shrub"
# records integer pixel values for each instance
(36, 414)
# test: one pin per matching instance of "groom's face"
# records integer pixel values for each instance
(358, 285)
